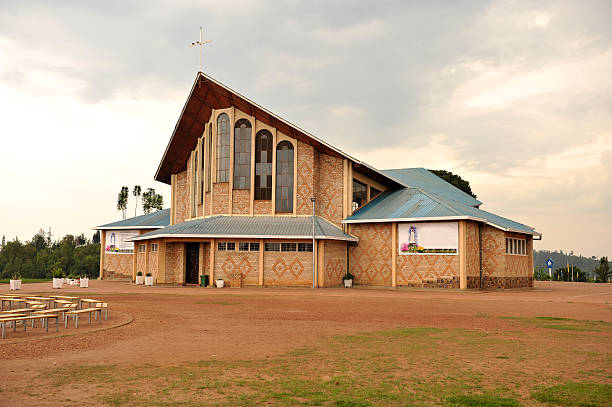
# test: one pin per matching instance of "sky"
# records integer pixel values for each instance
(514, 96)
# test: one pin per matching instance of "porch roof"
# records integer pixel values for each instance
(252, 227)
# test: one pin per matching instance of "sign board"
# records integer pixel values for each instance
(428, 238)
(549, 263)
(116, 241)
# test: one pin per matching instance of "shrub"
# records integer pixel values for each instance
(58, 272)
(349, 276)
(139, 273)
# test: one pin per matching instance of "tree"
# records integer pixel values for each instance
(80, 240)
(122, 200)
(3, 241)
(603, 270)
(95, 239)
(455, 180)
(540, 274)
(136, 192)
(152, 200)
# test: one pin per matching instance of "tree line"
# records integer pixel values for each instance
(40, 257)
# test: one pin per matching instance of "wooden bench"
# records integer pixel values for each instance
(104, 306)
(90, 302)
(75, 315)
(11, 301)
(33, 318)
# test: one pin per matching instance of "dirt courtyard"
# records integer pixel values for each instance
(171, 326)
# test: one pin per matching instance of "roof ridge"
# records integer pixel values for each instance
(438, 199)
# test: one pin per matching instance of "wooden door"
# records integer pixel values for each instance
(193, 263)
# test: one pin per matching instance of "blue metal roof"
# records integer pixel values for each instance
(153, 220)
(415, 204)
(430, 182)
(252, 227)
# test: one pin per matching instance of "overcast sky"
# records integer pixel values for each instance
(516, 97)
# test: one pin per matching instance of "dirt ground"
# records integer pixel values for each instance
(172, 325)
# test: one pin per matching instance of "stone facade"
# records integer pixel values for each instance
(421, 270)
(472, 261)
(237, 268)
(289, 269)
(118, 266)
(175, 263)
(241, 202)
(306, 178)
(220, 198)
(330, 189)
(181, 201)
(501, 270)
(334, 264)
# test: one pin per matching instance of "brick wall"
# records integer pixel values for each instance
(241, 201)
(153, 263)
(237, 268)
(207, 203)
(334, 263)
(118, 266)
(140, 263)
(289, 269)
(175, 260)
(501, 270)
(329, 189)
(262, 207)
(472, 261)
(306, 169)
(220, 198)
(181, 211)
(370, 260)
(420, 270)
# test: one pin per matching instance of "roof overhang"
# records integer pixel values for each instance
(442, 219)
(126, 227)
(207, 94)
(218, 236)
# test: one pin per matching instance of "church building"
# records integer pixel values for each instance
(257, 201)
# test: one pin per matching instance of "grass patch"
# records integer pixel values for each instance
(576, 394)
(26, 280)
(565, 324)
(408, 366)
(484, 400)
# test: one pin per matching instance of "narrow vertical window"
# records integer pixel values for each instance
(223, 148)
(202, 169)
(263, 165)
(360, 194)
(209, 153)
(284, 177)
(242, 154)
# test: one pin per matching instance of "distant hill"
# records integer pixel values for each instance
(586, 264)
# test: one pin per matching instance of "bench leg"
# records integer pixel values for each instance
(3, 329)
(106, 314)
(90, 317)
(57, 323)
(76, 321)
(65, 321)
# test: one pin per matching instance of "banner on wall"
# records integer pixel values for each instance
(428, 238)
(116, 241)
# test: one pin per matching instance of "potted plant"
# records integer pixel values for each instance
(148, 279)
(219, 282)
(139, 278)
(58, 278)
(348, 280)
(15, 283)
(84, 281)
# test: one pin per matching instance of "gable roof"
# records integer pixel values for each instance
(427, 180)
(253, 227)
(415, 204)
(153, 220)
(207, 94)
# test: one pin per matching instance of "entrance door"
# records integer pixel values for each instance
(193, 263)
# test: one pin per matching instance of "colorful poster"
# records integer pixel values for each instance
(116, 241)
(428, 238)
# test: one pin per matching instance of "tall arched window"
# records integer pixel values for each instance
(263, 165)
(242, 154)
(284, 177)
(223, 148)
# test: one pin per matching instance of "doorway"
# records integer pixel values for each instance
(192, 263)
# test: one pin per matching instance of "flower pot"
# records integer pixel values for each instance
(139, 279)
(67, 280)
(74, 282)
(58, 282)
(84, 282)
(219, 283)
(148, 280)
(348, 283)
(15, 284)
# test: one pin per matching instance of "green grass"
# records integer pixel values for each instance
(565, 324)
(576, 394)
(26, 280)
(484, 400)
